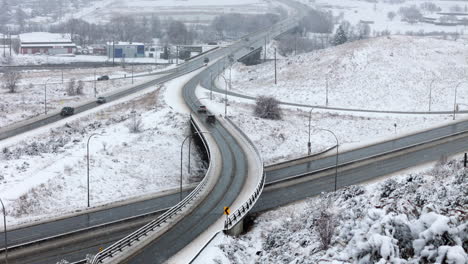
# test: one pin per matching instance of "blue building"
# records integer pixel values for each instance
(125, 49)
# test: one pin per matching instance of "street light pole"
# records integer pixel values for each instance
(95, 90)
(326, 92)
(430, 94)
(5, 230)
(45, 96)
(87, 160)
(132, 73)
(181, 159)
(211, 85)
(275, 68)
(225, 95)
(309, 144)
(455, 100)
(337, 152)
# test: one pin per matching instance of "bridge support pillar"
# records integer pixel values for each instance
(236, 229)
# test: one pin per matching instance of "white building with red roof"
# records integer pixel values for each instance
(46, 43)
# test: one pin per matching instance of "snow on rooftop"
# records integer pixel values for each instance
(44, 37)
(122, 43)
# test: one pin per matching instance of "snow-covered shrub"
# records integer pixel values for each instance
(324, 223)
(135, 124)
(11, 80)
(80, 87)
(71, 87)
(420, 218)
(268, 108)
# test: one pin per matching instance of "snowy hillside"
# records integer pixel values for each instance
(418, 218)
(387, 73)
(44, 175)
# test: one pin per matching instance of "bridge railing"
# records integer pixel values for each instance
(242, 211)
(144, 231)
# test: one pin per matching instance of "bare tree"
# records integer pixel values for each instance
(268, 108)
(80, 87)
(135, 124)
(325, 223)
(10, 80)
(391, 15)
(71, 87)
(410, 14)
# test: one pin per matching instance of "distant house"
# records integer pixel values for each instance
(46, 43)
(125, 50)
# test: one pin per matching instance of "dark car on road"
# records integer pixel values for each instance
(103, 78)
(67, 111)
(206, 60)
(201, 109)
(101, 100)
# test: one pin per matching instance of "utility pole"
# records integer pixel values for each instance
(275, 69)
(4, 45)
(132, 73)
(309, 144)
(326, 92)
(295, 44)
(113, 53)
(177, 55)
(9, 34)
(95, 90)
(455, 100)
(265, 56)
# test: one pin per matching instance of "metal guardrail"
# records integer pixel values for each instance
(127, 241)
(241, 212)
(341, 165)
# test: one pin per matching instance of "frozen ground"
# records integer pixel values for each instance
(281, 140)
(44, 174)
(386, 73)
(201, 11)
(412, 218)
(28, 101)
(21, 60)
(376, 11)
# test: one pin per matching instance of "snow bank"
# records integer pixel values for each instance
(411, 219)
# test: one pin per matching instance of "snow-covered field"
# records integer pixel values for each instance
(200, 11)
(362, 78)
(386, 73)
(28, 101)
(412, 218)
(281, 140)
(21, 60)
(376, 11)
(44, 174)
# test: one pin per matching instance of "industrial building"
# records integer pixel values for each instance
(125, 50)
(46, 43)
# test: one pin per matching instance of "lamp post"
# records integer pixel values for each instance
(95, 91)
(45, 96)
(455, 100)
(430, 93)
(5, 230)
(231, 62)
(337, 152)
(211, 84)
(190, 140)
(276, 81)
(87, 160)
(181, 159)
(309, 144)
(225, 95)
